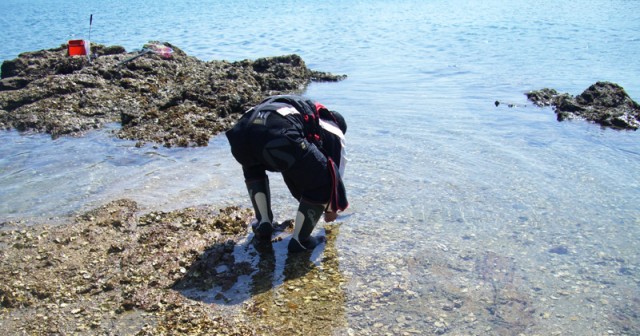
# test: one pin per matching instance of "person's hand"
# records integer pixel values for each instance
(330, 216)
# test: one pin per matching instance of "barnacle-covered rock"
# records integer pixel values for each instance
(86, 274)
(115, 271)
(604, 103)
(168, 98)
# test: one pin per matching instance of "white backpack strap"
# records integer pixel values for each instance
(286, 110)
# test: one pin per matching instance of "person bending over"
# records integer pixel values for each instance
(304, 141)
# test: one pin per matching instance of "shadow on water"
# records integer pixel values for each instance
(276, 291)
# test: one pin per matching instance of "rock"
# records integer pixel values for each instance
(544, 97)
(604, 103)
(13, 83)
(104, 270)
(99, 50)
(562, 250)
(163, 97)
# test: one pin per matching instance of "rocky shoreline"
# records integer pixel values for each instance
(115, 271)
(165, 97)
(109, 270)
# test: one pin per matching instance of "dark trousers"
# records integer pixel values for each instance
(276, 144)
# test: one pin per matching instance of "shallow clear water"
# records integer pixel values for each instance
(440, 179)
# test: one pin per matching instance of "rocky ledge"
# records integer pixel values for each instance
(604, 103)
(158, 94)
(116, 270)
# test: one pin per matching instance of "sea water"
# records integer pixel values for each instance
(451, 195)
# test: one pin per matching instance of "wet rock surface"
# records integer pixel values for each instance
(110, 271)
(168, 98)
(116, 271)
(604, 103)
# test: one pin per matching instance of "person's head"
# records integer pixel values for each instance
(342, 124)
(325, 113)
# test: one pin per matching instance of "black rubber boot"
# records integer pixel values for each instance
(306, 219)
(296, 246)
(261, 201)
(263, 231)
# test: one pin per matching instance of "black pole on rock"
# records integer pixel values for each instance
(89, 39)
(90, 23)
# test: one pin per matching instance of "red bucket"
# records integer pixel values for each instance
(76, 47)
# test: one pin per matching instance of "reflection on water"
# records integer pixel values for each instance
(277, 292)
(311, 299)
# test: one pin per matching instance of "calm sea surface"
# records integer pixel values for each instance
(452, 198)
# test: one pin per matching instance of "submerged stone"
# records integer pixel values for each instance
(562, 250)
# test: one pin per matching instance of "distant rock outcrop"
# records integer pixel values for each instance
(604, 103)
(159, 94)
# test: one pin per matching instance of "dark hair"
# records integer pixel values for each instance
(342, 124)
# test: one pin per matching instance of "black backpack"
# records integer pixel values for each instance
(309, 117)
